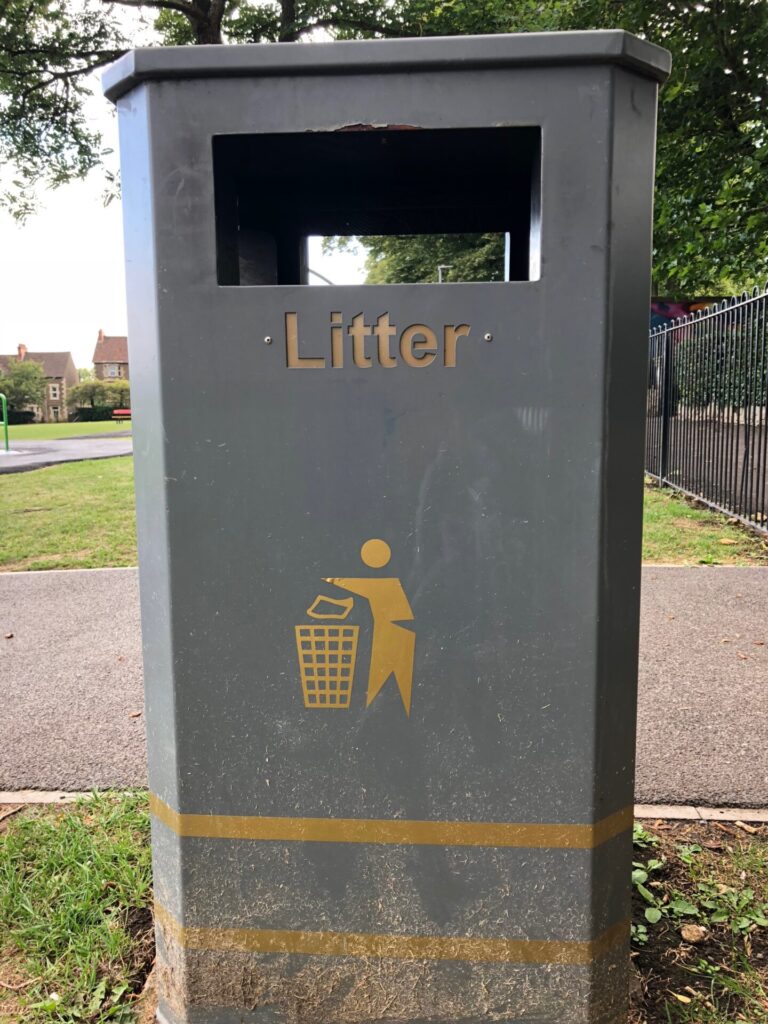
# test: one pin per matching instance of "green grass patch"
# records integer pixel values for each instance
(75, 898)
(56, 431)
(78, 515)
(676, 532)
(700, 923)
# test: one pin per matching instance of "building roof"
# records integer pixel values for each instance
(111, 349)
(55, 364)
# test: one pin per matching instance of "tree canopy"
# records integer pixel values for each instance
(47, 50)
(712, 177)
(711, 220)
(105, 394)
(23, 383)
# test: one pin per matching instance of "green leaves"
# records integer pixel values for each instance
(46, 52)
(711, 222)
(739, 909)
(109, 394)
(709, 902)
(641, 839)
(414, 258)
(23, 383)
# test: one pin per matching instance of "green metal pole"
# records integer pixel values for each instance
(5, 417)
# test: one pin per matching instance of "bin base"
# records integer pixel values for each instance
(233, 987)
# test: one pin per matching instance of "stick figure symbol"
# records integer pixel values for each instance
(393, 645)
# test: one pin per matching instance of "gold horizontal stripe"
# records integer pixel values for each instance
(425, 947)
(392, 831)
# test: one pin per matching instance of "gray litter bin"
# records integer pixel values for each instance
(390, 535)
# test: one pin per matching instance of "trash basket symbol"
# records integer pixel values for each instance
(327, 656)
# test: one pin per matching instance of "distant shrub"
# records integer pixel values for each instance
(89, 414)
(18, 416)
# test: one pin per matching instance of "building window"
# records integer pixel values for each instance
(53, 392)
(112, 369)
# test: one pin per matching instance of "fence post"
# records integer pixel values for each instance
(666, 394)
(4, 403)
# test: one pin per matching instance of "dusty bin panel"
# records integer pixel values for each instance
(390, 535)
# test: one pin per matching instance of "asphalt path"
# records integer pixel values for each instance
(71, 678)
(26, 455)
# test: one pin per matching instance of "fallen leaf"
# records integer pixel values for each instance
(759, 643)
(135, 714)
(8, 811)
(726, 540)
(747, 828)
(694, 933)
(683, 999)
(725, 640)
(742, 655)
(9, 636)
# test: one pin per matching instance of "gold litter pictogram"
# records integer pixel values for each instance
(327, 655)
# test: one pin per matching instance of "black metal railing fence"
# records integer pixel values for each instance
(706, 424)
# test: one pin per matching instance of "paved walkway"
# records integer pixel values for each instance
(25, 455)
(71, 683)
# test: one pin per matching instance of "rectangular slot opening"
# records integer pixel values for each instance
(421, 204)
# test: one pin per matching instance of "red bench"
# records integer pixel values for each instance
(121, 414)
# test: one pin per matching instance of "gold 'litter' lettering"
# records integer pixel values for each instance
(409, 346)
(293, 359)
(451, 337)
(417, 346)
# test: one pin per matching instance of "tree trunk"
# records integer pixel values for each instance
(205, 33)
(208, 31)
(207, 26)
(288, 27)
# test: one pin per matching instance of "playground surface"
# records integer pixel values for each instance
(25, 455)
(72, 708)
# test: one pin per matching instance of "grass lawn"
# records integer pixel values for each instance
(75, 918)
(78, 944)
(78, 515)
(55, 431)
(676, 532)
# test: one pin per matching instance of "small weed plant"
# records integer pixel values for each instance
(700, 927)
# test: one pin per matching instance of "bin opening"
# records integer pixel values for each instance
(473, 186)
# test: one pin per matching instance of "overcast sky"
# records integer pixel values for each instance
(61, 272)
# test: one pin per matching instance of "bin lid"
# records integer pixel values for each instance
(447, 53)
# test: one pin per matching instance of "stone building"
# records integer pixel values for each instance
(110, 358)
(60, 375)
